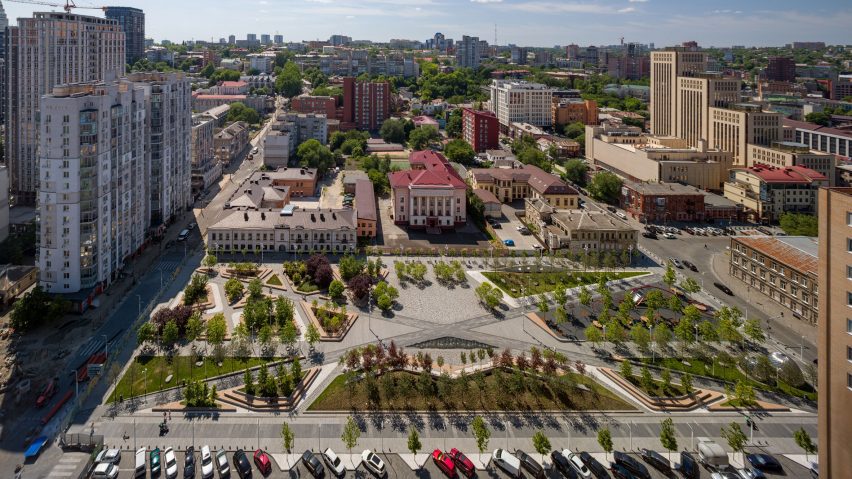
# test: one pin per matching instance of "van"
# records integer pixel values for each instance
(711, 454)
(183, 235)
(140, 462)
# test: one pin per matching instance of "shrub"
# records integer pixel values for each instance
(196, 290)
(233, 289)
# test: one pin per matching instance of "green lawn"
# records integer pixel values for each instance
(135, 380)
(657, 388)
(495, 390)
(537, 283)
(307, 286)
(274, 280)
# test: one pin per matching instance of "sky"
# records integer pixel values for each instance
(522, 22)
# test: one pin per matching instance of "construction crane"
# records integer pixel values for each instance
(68, 6)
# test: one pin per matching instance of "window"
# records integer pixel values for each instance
(849, 298)
(849, 380)
(849, 353)
(849, 326)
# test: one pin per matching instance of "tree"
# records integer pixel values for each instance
(605, 440)
(489, 295)
(454, 123)
(640, 336)
(360, 286)
(36, 308)
(594, 335)
(170, 333)
(240, 112)
(541, 443)
(248, 382)
(216, 329)
(690, 285)
(670, 276)
(194, 327)
(350, 267)
(585, 296)
(414, 444)
(645, 379)
(313, 154)
(312, 335)
(543, 306)
(803, 440)
(686, 383)
(420, 137)
(575, 171)
(288, 334)
(667, 436)
(289, 80)
(460, 152)
(287, 437)
(351, 434)
(233, 289)
(480, 433)
(336, 289)
(820, 118)
(626, 369)
(605, 186)
(735, 436)
(393, 130)
(573, 130)
(662, 335)
(753, 331)
(210, 261)
(284, 311)
(146, 333)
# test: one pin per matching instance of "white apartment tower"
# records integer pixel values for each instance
(92, 185)
(468, 52)
(666, 67)
(46, 50)
(168, 101)
(521, 102)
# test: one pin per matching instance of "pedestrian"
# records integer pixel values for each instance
(164, 416)
(170, 415)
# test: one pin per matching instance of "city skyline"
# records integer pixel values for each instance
(533, 22)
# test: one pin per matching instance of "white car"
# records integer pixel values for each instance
(669, 236)
(577, 464)
(506, 461)
(109, 456)
(333, 462)
(171, 464)
(105, 470)
(373, 463)
(222, 464)
(206, 463)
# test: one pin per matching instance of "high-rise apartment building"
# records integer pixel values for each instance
(232, 39)
(468, 52)
(365, 104)
(278, 39)
(781, 69)
(732, 129)
(834, 343)
(4, 24)
(132, 21)
(695, 96)
(480, 129)
(666, 67)
(205, 168)
(92, 191)
(168, 100)
(46, 50)
(521, 102)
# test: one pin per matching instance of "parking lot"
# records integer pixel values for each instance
(509, 224)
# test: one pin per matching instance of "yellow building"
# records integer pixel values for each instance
(528, 181)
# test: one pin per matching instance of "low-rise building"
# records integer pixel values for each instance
(591, 232)
(230, 88)
(431, 195)
(14, 280)
(206, 170)
(320, 105)
(259, 191)
(285, 230)
(502, 159)
(528, 181)
(822, 138)
(230, 142)
(562, 147)
(767, 191)
(365, 205)
(350, 178)
(288, 132)
(784, 268)
(571, 110)
(491, 206)
(786, 153)
(206, 101)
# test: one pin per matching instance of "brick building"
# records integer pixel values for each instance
(781, 69)
(480, 129)
(365, 104)
(570, 110)
(320, 105)
(661, 202)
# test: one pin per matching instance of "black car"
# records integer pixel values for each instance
(562, 465)
(650, 235)
(690, 265)
(313, 464)
(688, 466)
(724, 288)
(189, 471)
(530, 464)
(764, 462)
(598, 470)
(190, 456)
(635, 467)
(656, 460)
(620, 472)
(242, 464)
(495, 224)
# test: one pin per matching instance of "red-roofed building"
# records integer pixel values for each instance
(480, 129)
(231, 88)
(431, 195)
(767, 191)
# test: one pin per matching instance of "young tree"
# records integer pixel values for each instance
(735, 436)
(670, 276)
(666, 378)
(194, 327)
(626, 369)
(541, 443)
(210, 261)
(605, 186)
(414, 444)
(336, 289)
(662, 335)
(543, 307)
(594, 335)
(248, 382)
(686, 383)
(646, 380)
(605, 440)
(480, 433)
(803, 440)
(753, 331)
(146, 333)
(667, 436)
(351, 434)
(640, 336)
(312, 335)
(585, 296)
(287, 437)
(233, 289)
(170, 333)
(690, 285)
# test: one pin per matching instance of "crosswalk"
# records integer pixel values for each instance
(68, 466)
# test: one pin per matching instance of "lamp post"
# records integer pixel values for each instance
(802, 348)
(106, 345)
(691, 437)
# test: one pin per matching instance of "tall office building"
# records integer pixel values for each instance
(168, 101)
(834, 344)
(132, 21)
(44, 51)
(93, 183)
(733, 129)
(666, 67)
(232, 39)
(695, 96)
(265, 39)
(468, 52)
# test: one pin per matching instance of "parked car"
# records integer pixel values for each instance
(206, 463)
(562, 465)
(620, 472)
(141, 466)
(313, 464)
(189, 457)
(335, 465)
(262, 461)
(764, 462)
(628, 462)
(750, 473)
(188, 469)
(688, 466)
(509, 242)
(577, 464)
(509, 463)
(444, 463)
(105, 470)
(594, 465)
(656, 460)
(222, 464)
(668, 235)
(724, 475)
(154, 457)
(723, 288)
(529, 464)
(241, 464)
(495, 224)
(676, 263)
(650, 235)
(171, 463)
(463, 464)
(373, 463)
(690, 266)
(110, 456)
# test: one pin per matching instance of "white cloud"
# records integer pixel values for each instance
(486, 1)
(637, 1)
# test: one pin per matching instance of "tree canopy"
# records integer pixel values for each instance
(605, 186)
(799, 224)
(314, 154)
(289, 80)
(240, 112)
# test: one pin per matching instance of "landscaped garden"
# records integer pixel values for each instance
(526, 284)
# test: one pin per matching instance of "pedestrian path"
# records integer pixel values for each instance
(68, 466)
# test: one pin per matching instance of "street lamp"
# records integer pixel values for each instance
(145, 372)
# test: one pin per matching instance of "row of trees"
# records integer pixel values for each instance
(282, 383)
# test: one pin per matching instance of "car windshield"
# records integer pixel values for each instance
(375, 460)
(336, 461)
(171, 462)
(206, 460)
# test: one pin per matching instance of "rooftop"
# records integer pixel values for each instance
(803, 125)
(590, 220)
(787, 174)
(319, 219)
(365, 200)
(662, 189)
(486, 196)
(797, 252)
(538, 179)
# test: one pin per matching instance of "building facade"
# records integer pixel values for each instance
(834, 345)
(822, 138)
(781, 69)
(206, 169)
(366, 105)
(230, 142)
(468, 52)
(365, 205)
(782, 268)
(319, 105)
(132, 21)
(571, 110)
(732, 129)
(44, 51)
(585, 231)
(528, 181)
(521, 102)
(480, 129)
(786, 153)
(430, 195)
(666, 67)
(766, 191)
(695, 96)
(94, 182)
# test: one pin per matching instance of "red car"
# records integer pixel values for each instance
(262, 462)
(445, 463)
(462, 462)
